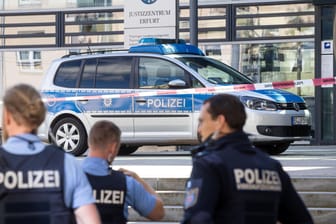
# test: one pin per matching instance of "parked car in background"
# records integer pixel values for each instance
(276, 117)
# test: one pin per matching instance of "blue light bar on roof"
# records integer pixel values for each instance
(165, 46)
(153, 40)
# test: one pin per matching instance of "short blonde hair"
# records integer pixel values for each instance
(25, 104)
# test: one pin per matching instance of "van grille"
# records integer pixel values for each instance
(291, 106)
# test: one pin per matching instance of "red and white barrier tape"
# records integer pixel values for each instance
(218, 89)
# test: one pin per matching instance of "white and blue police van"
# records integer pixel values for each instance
(158, 67)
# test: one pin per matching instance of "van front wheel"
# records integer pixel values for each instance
(70, 135)
(273, 148)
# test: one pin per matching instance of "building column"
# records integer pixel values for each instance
(325, 39)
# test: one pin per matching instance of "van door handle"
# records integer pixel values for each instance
(141, 101)
(83, 101)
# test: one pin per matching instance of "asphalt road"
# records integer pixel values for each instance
(298, 160)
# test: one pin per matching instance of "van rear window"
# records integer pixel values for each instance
(67, 74)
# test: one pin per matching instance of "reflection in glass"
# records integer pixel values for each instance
(262, 21)
(264, 9)
(211, 23)
(275, 32)
(279, 62)
(279, 20)
(94, 28)
(270, 62)
(94, 39)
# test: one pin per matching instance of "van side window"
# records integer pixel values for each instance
(156, 73)
(68, 73)
(113, 72)
(89, 73)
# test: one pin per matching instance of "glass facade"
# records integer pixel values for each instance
(270, 62)
(100, 27)
(288, 30)
(51, 4)
(212, 23)
(267, 21)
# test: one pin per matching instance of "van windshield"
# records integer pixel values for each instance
(215, 71)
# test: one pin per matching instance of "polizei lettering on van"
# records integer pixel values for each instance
(30, 179)
(257, 179)
(109, 196)
(166, 103)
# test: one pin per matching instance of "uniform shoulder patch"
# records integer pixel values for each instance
(192, 192)
(191, 197)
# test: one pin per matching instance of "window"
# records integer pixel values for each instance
(157, 73)
(29, 60)
(94, 3)
(89, 72)
(114, 72)
(94, 28)
(29, 2)
(274, 21)
(67, 74)
(279, 62)
(212, 22)
(214, 71)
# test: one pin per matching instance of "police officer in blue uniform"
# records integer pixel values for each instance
(38, 184)
(232, 181)
(115, 190)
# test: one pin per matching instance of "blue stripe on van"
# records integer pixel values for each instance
(281, 96)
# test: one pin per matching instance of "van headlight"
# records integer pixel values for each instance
(258, 104)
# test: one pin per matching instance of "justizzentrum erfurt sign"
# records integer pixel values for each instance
(149, 18)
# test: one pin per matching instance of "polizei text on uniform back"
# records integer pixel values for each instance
(30, 179)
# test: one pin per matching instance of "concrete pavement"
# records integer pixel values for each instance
(298, 161)
(312, 169)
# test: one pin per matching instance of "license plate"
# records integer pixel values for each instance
(300, 120)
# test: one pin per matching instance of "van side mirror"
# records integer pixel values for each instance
(177, 83)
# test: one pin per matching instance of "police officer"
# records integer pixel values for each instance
(115, 190)
(38, 183)
(233, 182)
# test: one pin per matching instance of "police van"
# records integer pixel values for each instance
(158, 116)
